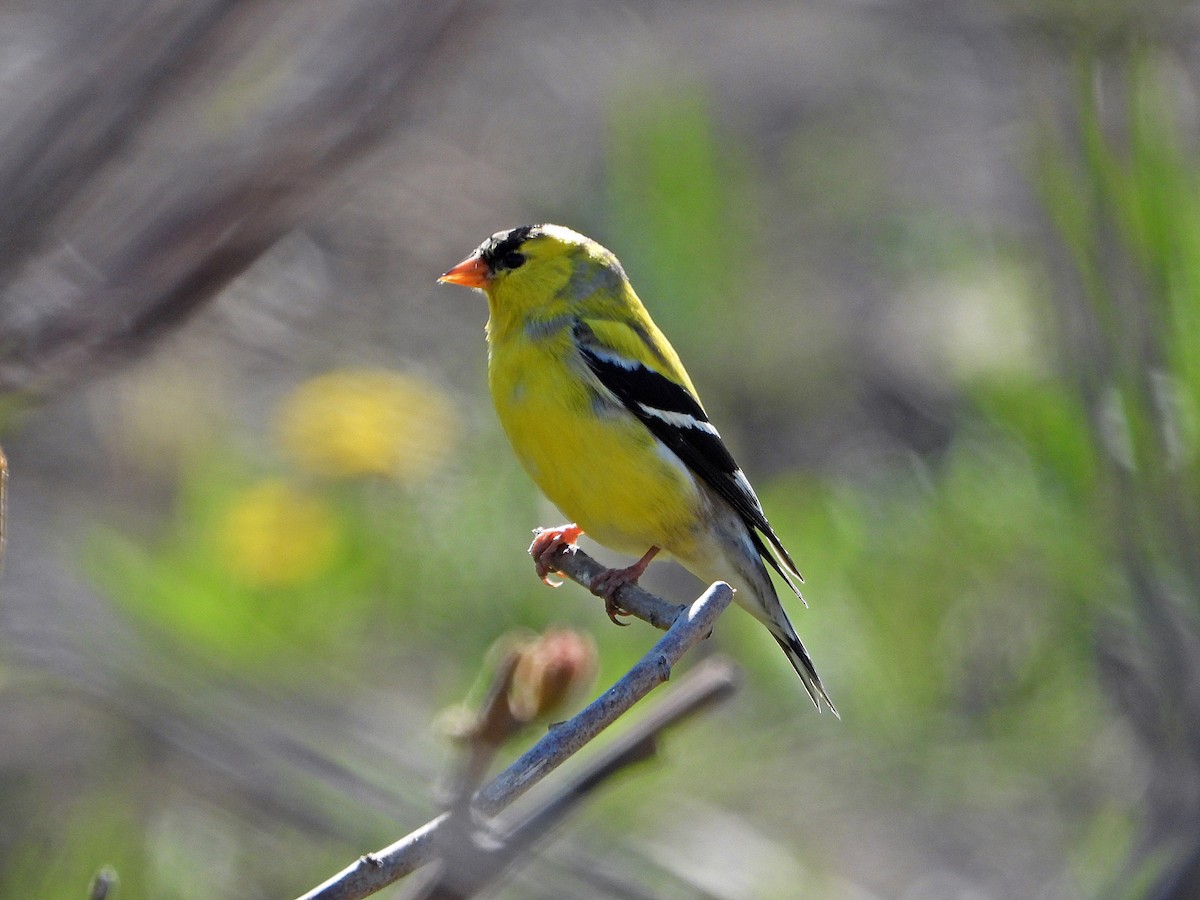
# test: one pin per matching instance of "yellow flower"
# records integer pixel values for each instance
(277, 536)
(367, 422)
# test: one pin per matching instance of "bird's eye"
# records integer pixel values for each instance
(513, 260)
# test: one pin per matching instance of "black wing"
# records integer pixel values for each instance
(675, 417)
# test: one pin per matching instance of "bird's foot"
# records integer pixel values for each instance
(607, 583)
(547, 544)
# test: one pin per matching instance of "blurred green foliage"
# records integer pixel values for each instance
(956, 599)
(680, 200)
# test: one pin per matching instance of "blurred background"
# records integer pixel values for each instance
(934, 266)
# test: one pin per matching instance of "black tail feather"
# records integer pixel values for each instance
(803, 664)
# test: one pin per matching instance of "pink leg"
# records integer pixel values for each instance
(608, 582)
(547, 544)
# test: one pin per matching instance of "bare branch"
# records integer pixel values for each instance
(709, 683)
(493, 728)
(377, 870)
(3, 506)
(472, 864)
(649, 672)
(632, 598)
(103, 884)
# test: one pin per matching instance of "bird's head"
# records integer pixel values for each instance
(537, 270)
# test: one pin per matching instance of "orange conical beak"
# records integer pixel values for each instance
(472, 272)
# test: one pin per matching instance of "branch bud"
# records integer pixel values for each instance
(551, 670)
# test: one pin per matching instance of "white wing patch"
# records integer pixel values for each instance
(601, 352)
(681, 420)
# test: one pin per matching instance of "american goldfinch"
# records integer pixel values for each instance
(606, 421)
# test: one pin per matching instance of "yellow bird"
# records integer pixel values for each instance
(606, 421)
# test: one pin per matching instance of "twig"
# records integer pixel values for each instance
(103, 883)
(377, 870)
(649, 672)
(632, 598)
(3, 506)
(473, 866)
(710, 682)
(494, 726)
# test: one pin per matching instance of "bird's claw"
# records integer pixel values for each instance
(607, 583)
(612, 610)
(605, 586)
(547, 544)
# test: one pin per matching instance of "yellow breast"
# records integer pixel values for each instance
(591, 458)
